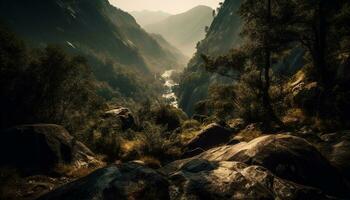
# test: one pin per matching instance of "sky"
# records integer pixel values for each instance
(169, 6)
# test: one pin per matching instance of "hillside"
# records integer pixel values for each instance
(92, 27)
(147, 17)
(186, 29)
(93, 107)
(172, 52)
(222, 36)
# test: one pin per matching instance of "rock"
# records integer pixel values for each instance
(340, 157)
(192, 153)
(126, 181)
(235, 140)
(236, 124)
(202, 179)
(211, 136)
(124, 115)
(306, 96)
(286, 156)
(39, 148)
(200, 118)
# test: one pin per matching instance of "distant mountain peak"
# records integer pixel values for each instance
(186, 29)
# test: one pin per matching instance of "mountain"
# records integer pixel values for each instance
(184, 30)
(93, 27)
(122, 55)
(147, 17)
(171, 51)
(222, 36)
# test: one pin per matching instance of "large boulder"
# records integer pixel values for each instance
(122, 114)
(201, 179)
(286, 156)
(40, 148)
(126, 181)
(306, 96)
(340, 157)
(211, 136)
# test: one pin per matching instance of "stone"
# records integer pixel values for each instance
(286, 156)
(39, 148)
(211, 136)
(124, 115)
(201, 179)
(125, 181)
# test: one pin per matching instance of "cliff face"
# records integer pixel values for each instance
(222, 36)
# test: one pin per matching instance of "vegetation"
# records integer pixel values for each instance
(271, 30)
(230, 96)
(44, 86)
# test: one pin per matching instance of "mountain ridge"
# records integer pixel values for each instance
(184, 30)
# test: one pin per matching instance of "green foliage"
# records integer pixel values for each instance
(44, 86)
(220, 103)
(156, 142)
(163, 115)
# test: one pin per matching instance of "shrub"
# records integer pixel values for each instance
(190, 124)
(156, 143)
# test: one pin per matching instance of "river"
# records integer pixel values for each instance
(169, 84)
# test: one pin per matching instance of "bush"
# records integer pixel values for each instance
(162, 115)
(156, 143)
(190, 124)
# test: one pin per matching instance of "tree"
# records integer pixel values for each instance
(267, 34)
(44, 85)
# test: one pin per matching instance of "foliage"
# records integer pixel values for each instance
(163, 115)
(44, 86)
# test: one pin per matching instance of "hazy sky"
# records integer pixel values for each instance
(170, 6)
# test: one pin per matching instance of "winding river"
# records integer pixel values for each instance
(169, 84)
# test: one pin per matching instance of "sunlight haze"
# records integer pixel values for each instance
(170, 6)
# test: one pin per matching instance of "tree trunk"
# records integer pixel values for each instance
(267, 66)
(320, 45)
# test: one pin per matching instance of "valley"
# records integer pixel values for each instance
(193, 100)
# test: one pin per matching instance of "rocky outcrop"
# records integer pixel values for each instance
(211, 136)
(39, 148)
(306, 95)
(202, 179)
(340, 157)
(286, 156)
(195, 179)
(124, 115)
(269, 167)
(126, 181)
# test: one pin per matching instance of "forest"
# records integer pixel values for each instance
(245, 100)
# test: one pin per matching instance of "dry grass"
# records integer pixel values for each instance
(71, 171)
(250, 133)
(294, 117)
(151, 162)
(190, 124)
(188, 135)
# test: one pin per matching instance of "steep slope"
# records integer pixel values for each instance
(92, 27)
(186, 29)
(222, 36)
(172, 51)
(147, 17)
